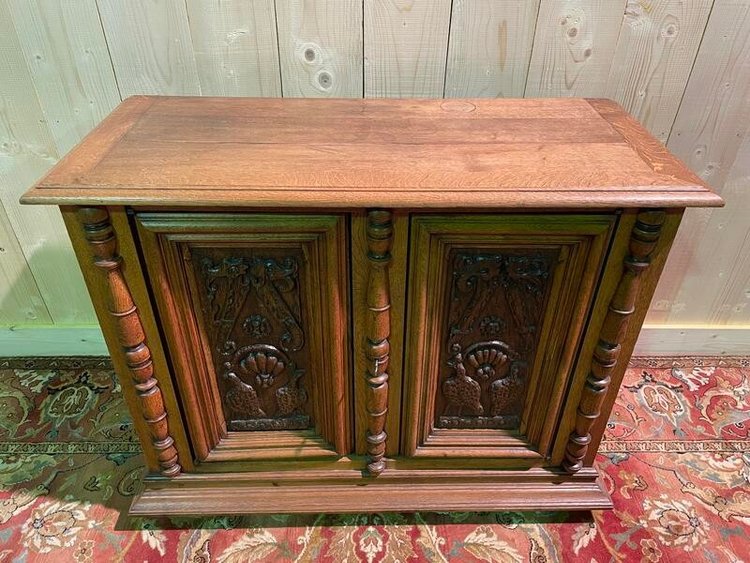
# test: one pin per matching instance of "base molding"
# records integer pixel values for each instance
(198, 495)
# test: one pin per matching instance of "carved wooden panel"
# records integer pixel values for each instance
(252, 310)
(497, 308)
(494, 305)
(256, 309)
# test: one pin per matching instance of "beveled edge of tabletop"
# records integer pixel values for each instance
(688, 191)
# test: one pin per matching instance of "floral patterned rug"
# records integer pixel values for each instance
(676, 460)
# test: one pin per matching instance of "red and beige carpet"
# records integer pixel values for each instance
(676, 460)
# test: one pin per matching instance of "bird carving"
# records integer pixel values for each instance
(505, 393)
(241, 398)
(291, 396)
(460, 390)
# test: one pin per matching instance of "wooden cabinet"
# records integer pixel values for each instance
(368, 305)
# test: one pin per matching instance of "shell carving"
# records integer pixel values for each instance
(485, 361)
(460, 390)
(264, 367)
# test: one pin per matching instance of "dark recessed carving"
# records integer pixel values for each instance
(254, 398)
(253, 316)
(491, 326)
(462, 393)
(257, 326)
(495, 306)
(227, 284)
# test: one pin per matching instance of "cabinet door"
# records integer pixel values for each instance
(497, 306)
(254, 309)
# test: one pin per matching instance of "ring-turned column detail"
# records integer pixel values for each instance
(643, 240)
(378, 331)
(103, 242)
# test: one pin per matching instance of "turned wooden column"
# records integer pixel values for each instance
(103, 242)
(378, 331)
(643, 240)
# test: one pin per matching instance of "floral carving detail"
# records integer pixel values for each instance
(242, 399)
(257, 326)
(492, 292)
(270, 278)
(253, 310)
(491, 326)
(228, 283)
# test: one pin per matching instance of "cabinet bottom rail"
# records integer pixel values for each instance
(198, 495)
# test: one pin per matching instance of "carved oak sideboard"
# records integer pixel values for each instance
(370, 305)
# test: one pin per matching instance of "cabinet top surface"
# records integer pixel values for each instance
(468, 154)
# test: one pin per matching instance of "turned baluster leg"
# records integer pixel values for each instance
(643, 240)
(103, 242)
(378, 331)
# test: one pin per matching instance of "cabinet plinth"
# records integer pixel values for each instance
(370, 305)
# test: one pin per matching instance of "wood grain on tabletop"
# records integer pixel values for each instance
(324, 152)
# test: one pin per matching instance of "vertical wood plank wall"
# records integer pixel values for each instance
(682, 68)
